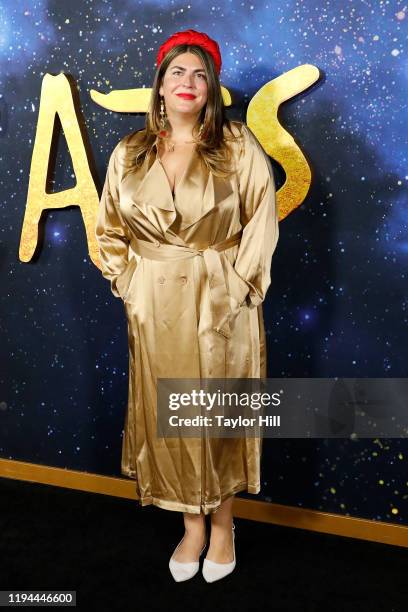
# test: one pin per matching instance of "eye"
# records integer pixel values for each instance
(202, 75)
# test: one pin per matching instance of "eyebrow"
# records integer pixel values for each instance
(181, 68)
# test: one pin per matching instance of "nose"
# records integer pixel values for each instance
(187, 80)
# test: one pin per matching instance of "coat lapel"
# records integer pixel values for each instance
(197, 193)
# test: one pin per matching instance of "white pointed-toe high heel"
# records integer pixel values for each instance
(213, 571)
(184, 571)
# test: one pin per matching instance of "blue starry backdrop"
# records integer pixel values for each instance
(338, 303)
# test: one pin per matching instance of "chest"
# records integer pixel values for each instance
(175, 163)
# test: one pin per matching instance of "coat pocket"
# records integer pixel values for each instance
(238, 289)
(125, 277)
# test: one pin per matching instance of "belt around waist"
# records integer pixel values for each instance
(220, 304)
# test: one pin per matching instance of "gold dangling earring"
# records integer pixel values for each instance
(163, 117)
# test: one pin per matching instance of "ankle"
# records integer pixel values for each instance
(195, 532)
(222, 528)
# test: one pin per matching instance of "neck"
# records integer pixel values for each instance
(182, 126)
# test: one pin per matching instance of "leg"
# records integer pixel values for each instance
(194, 538)
(221, 544)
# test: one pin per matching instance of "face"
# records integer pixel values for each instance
(184, 75)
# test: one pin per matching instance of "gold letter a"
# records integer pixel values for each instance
(57, 98)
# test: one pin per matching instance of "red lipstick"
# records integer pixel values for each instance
(186, 96)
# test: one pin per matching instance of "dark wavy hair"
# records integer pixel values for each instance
(213, 145)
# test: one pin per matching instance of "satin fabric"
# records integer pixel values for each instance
(192, 311)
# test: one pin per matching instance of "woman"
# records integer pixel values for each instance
(189, 181)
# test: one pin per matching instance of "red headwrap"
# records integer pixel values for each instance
(191, 37)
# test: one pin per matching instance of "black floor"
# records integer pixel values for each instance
(115, 555)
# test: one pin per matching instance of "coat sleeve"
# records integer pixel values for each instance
(111, 232)
(259, 218)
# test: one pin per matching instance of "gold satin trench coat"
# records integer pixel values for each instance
(192, 311)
